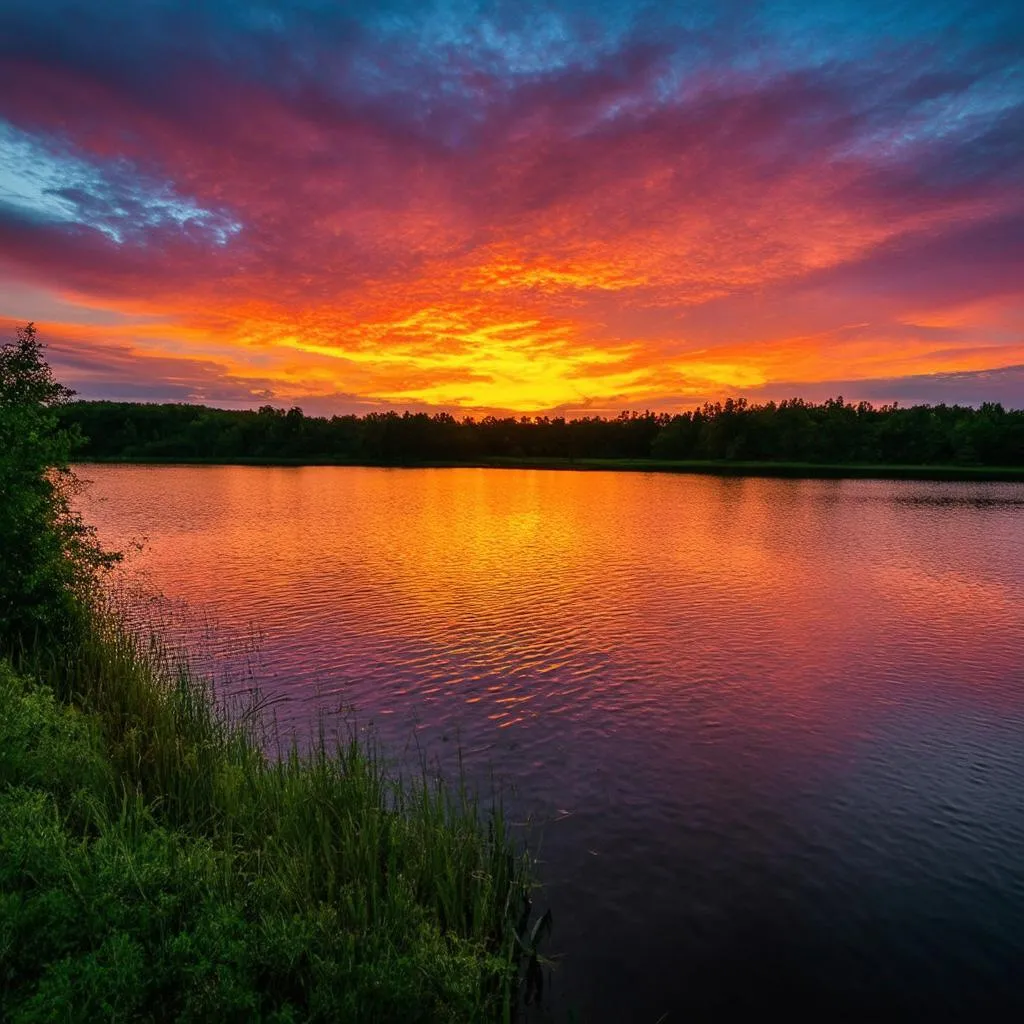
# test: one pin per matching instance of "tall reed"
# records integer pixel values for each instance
(335, 890)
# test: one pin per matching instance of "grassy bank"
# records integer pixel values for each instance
(791, 470)
(157, 865)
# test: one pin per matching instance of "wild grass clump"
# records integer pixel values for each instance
(156, 864)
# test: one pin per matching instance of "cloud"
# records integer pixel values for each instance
(1003, 384)
(474, 206)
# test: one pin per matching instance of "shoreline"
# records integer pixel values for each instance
(168, 856)
(784, 470)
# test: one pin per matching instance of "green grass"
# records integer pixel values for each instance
(723, 467)
(156, 865)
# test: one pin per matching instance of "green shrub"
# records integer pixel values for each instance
(49, 558)
(311, 889)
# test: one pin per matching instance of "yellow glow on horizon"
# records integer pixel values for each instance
(570, 322)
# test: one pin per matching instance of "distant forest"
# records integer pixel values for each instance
(832, 432)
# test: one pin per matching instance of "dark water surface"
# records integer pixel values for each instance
(774, 729)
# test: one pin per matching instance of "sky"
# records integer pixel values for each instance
(547, 208)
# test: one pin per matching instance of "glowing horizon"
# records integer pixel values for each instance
(469, 208)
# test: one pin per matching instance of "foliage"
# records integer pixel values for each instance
(832, 432)
(48, 559)
(233, 888)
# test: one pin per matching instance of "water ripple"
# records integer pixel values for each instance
(774, 726)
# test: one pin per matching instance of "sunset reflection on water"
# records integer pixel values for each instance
(738, 700)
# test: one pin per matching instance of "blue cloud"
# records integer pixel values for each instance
(150, 146)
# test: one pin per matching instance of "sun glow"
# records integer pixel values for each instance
(623, 229)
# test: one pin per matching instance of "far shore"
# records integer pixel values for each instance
(792, 470)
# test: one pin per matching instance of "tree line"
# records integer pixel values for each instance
(830, 432)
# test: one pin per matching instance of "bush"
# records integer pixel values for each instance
(49, 559)
(243, 889)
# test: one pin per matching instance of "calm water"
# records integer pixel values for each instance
(773, 730)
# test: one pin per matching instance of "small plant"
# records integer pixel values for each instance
(529, 938)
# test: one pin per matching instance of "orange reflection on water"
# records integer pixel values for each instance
(531, 592)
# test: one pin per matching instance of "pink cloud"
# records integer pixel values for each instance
(616, 227)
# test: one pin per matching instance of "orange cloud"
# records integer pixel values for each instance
(600, 236)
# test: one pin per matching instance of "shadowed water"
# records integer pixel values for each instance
(774, 728)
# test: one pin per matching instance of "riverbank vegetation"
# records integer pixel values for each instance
(832, 433)
(156, 864)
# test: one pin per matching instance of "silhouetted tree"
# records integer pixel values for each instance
(48, 557)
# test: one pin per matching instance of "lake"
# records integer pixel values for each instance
(770, 732)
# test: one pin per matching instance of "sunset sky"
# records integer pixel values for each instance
(575, 207)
